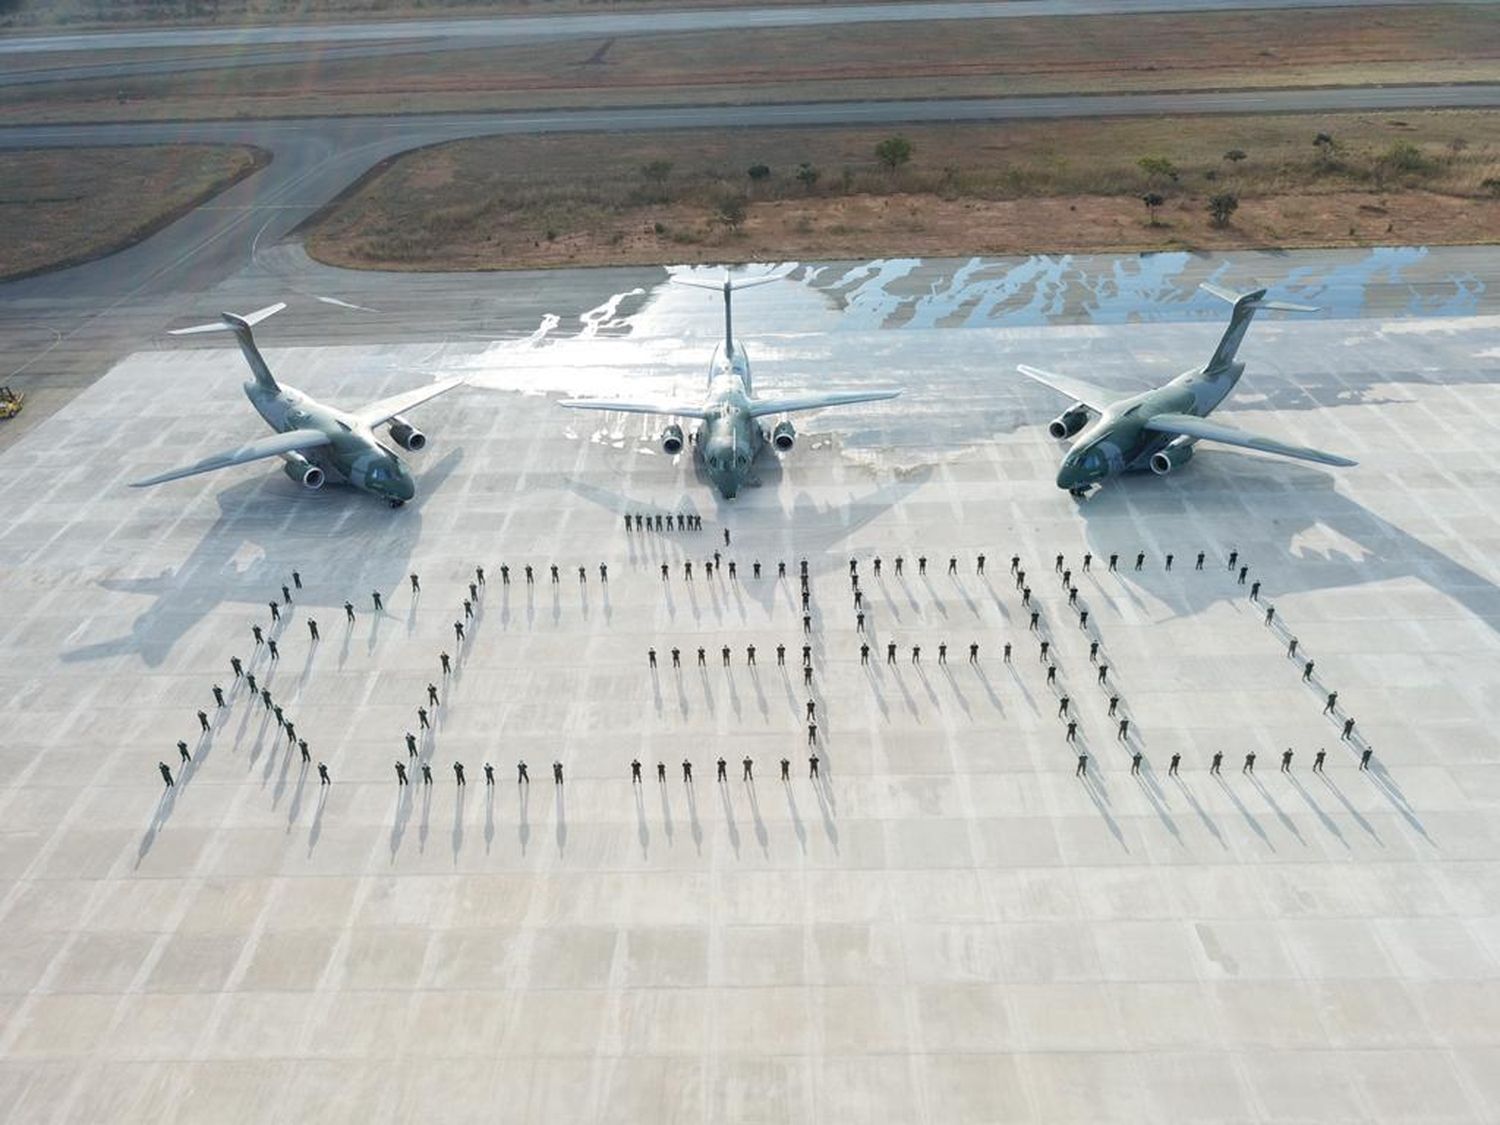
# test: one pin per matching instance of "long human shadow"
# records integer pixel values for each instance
(963, 701)
(761, 836)
(489, 818)
(1098, 793)
(315, 833)
(1386, 786)
(1327, 821)
(561, 810)
(666, 811)
(797, 826)
(424, 826)
(1350, 809)
(1151, 787)
(523, 824)
(729, 820)
(1244, 812)
(1286, 822)
(399, 819)
(268, 519)
(1208, 822)
(1226, 482)
(460, 791)
(642, 831)
(165, 805)
(295, 807)
(696, 826)
(830, 826)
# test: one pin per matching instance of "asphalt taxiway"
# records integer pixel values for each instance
(947, 925)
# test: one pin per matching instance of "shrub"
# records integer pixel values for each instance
(1221, 206)
(893, 152)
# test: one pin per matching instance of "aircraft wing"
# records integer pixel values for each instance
(760, 407)
(251, 451)
(383, 411)
(1095, 398)
(1189, 425)
(673, 409)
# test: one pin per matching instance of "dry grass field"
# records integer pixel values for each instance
(1214, 50)
(1014, 188)
(63, 206)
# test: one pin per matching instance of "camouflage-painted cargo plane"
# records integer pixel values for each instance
(1157, 429)
(317, 442)
(731, 436)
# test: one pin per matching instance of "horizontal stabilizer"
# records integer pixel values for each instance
(728, 282)
(1257, 297)
(1094, 397)
(1190, 425)
(790, 405)
(228, 325)
(271, 446)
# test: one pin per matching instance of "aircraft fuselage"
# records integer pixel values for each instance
(353, 455)
(1117, 440)
(730, 438)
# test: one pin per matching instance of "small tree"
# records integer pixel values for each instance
(1327, 147)
(1152, 200)
(893, 152)
(1491, 185)
(1221, 206)
(1235, 155)
(807, 175)
(1158, 169)
(656, 171)
(758, 172)
(731, 211)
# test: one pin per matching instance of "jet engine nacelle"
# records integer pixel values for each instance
(671, 439)
(407, 436)
(784, 436)
(303, 471)
(1174, 456)
(1069, 422)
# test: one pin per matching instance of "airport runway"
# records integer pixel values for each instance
(310, 42)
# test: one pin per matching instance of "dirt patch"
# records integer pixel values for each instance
(60, 207)
(499, 203)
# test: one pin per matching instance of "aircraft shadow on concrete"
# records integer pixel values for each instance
(274, 516)
(1238, 482)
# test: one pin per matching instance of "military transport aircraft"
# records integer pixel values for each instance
(1157, 429)
(731, 436)
(317, 441)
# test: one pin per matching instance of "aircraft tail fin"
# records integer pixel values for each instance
(728, 286)
(240, 326)
(1246, 305)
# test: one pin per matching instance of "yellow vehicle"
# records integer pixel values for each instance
(10, 402)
